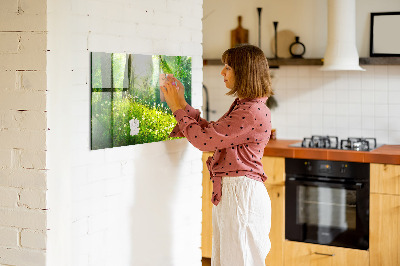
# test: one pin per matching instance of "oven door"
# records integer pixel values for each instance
(327, 213)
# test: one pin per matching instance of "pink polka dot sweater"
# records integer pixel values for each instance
(238, 139)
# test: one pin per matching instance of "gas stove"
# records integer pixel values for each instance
(332, 142)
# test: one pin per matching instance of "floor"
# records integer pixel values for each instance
(206, 261)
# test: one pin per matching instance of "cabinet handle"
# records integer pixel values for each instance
(324, 254)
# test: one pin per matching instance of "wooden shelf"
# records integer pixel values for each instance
(274, 63)
(380, 61)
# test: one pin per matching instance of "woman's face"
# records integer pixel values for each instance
(229, 76)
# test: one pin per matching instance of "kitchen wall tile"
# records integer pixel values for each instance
(303, 82)
(394, 110)
(394, 83)
(355, 132)
(394, 71)
(317, 121)
(380, 71)
(342, 109)
(329, 93)
(328, 74)
(367, 81)
(394, 123)
(381, 97)
(316, 82)
(317, 108)
(329, 122)
(367, 96)
(367, 110)
(304, 108)
(278, 83)
(394, 137)
(342, 122)
(317, 131)
(355, 109)
(381, 136)
(342, 80)
(329, 109)
(278, 71)
(366, 99)
(315, 72)
(367, 123)
(292, 82)
(381, 84)
(304, 72)
(342, 96)
(293, 120)
(381, 110)
(367, 133)
(354, 80)
(342, 133)
(304, 131)
(317, 95)
(305, 95)
(355, 122)
(381, 123)
(394, 97)
(291, 71)
(355, 96)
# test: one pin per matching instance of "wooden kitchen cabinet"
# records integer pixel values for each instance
(305, 254)
(385, 178)
(384, 236)
(385, 215)
(277, 233)
(274, 168)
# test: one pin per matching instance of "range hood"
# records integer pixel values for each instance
(341, 51)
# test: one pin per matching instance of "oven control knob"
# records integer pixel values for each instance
(343, 168)
(308, 166)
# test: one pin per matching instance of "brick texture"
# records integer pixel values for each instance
(23, 125)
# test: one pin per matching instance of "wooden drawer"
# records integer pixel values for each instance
(304, 254)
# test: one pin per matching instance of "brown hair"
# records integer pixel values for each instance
(250, 66)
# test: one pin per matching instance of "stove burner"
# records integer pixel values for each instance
(358, 144)
(332, 142)
(328, 142)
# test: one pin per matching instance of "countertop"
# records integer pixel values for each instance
(389, 154)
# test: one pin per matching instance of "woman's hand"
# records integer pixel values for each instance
(173, 94)
(181, 91)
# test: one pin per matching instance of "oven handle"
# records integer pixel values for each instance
(357, 185)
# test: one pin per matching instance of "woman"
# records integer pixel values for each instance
(242, 208)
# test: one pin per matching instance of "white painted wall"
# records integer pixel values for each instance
(306, 19)
(135, 205)
(23, 133)
(344, 103)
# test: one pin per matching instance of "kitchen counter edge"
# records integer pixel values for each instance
(385, 154)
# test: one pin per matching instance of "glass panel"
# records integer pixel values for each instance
(126, 108)
(328, 207)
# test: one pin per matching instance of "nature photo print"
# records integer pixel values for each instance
(126, 102)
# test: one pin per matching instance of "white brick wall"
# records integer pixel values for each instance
(136, 205)
(23, 126)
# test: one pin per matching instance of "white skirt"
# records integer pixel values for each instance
(241, 223)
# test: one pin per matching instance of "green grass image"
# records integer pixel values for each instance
(125, 104)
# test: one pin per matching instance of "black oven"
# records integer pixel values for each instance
(327, 202)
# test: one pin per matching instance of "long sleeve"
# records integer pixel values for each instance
(193, 113)
(232, 130)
